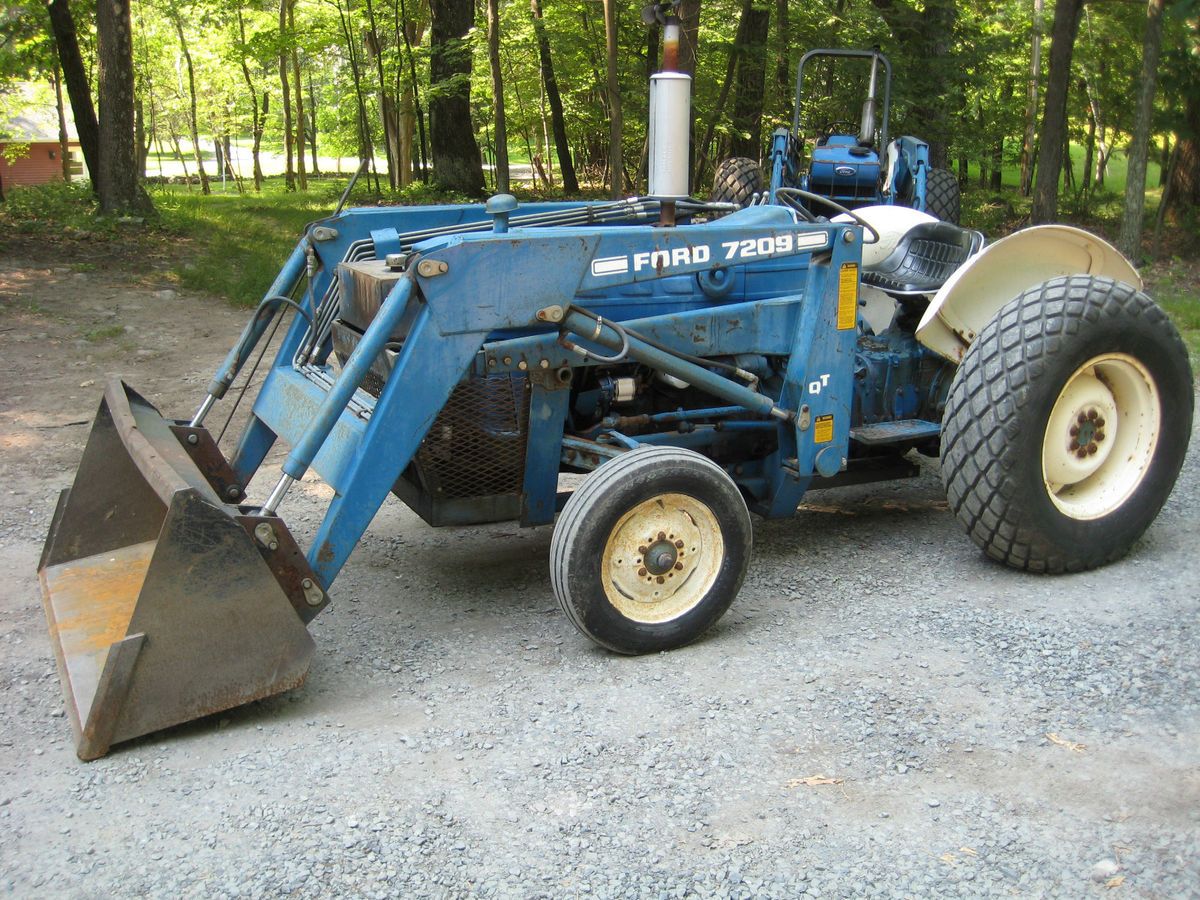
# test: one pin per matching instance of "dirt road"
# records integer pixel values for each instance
(883, 711)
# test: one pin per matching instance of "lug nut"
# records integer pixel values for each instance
(1074, 430)
(1099, 435)
(662, 535)
(1092, 415)
(1091, 449)
(679, 545)
(1082, 418)
(1099, 422)
(679, 566)
(642, 550)
(642, 571)
(660, 579)
(1081, 452)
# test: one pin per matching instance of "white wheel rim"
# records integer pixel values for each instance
(1100, 436)
(662, 558)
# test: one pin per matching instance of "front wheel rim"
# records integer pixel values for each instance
(1101, 436)
(662, 558)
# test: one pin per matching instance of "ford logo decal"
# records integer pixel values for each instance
(845, 171)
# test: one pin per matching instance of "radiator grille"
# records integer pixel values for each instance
(476, 446)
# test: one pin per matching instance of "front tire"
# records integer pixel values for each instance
(1067, 424)
(650, 550)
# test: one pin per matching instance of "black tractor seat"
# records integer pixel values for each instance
(924, 258)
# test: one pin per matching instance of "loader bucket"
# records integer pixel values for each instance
(165, 603)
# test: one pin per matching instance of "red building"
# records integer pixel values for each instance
(30, 152)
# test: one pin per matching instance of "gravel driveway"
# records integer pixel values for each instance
(883, 712)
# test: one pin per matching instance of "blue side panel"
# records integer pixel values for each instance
(547, 413)
(763, 327)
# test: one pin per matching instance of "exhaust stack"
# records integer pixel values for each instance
(670, 117)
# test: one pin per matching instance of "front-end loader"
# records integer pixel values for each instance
(696, 367)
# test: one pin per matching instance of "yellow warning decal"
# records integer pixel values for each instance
(847, 296)
(823, 430)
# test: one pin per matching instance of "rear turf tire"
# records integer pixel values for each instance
(650, 550)
(1067, 424)
(737, 180)
(942, 198)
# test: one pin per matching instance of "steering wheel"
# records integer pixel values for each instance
(838, 126)
(791, 198)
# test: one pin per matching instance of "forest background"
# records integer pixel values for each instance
(1045, 109)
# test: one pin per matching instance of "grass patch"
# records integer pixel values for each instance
(1175, 286)
(239, 241)
(108, 332)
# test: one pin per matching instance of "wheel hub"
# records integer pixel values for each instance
(662, 557)
(1101, 436)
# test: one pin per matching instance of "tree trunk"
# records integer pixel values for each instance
(927, 35)
(187, 58)
(1031, 109)
(1129, 241)
(187, 176)
(389, 115)
(457, 165)
(1183, 183)
(616, 167)
(301, 175)
(739, 39)
(286, 90)
(783, 69)
(64, 146)
(366, 151)
(566, 165)
(689, 17)
(751, 79)
(501, 127)
(997, 178)
(258, 118)
(78, 89)
(412, 34)
(120, 191)
(140, 144)
(1054, 118)
(312, 127)
(1089, 151)
(1165, 203)
(1103, 149)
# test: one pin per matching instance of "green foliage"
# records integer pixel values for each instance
(51, 208)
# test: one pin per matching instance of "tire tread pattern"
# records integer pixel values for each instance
(737, 180)
(942, 196)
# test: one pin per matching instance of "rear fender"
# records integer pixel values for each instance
(985, 282)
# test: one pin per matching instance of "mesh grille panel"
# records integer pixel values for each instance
(476, 446)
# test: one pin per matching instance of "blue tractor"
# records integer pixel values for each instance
(853, 163)
(695, 368)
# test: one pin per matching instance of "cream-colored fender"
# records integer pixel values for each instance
(997, 274)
